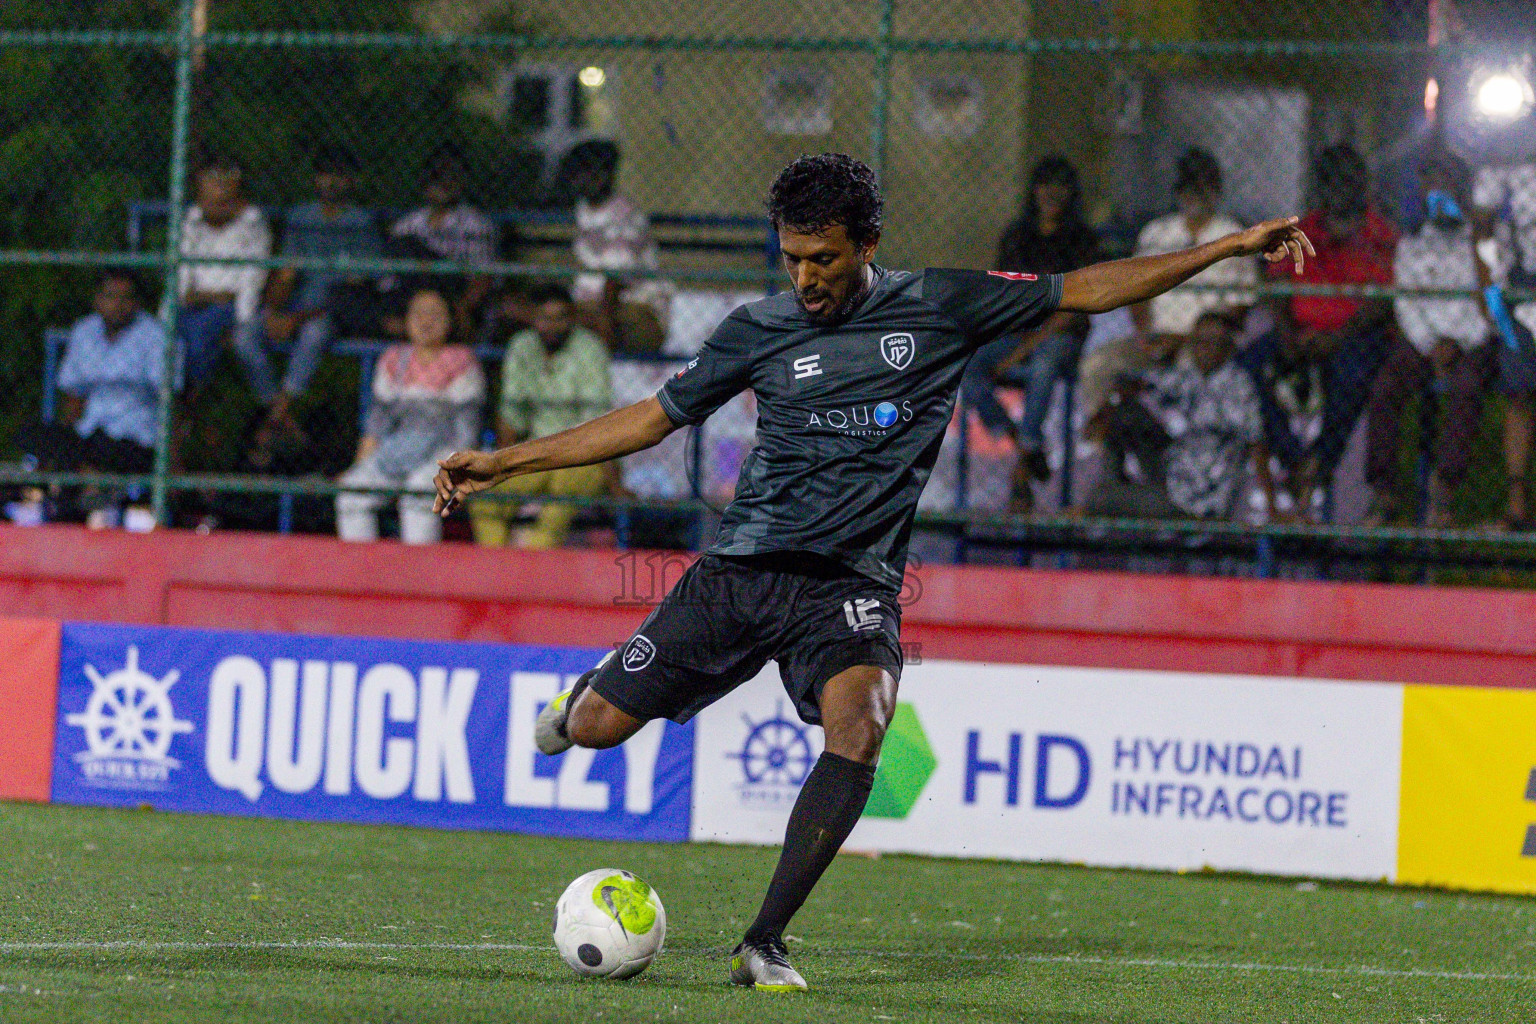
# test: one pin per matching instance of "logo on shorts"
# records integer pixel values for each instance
(862, 614)
(897, 349)
(638, 653)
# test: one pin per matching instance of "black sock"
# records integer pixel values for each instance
(828, 807)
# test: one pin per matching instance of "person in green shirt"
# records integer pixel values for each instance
(555, 376)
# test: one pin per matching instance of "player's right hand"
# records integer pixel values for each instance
(460, 475)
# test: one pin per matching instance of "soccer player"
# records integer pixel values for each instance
(855, 372)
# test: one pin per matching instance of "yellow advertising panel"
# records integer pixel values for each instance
(1469, 788)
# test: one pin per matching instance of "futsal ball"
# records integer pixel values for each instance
(609, 924)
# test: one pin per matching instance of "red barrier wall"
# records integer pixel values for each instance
(458, 592)
(29, 686)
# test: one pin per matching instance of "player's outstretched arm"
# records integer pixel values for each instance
(611, 436)
(1106, 286)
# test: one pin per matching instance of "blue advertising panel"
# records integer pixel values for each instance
(350, 729)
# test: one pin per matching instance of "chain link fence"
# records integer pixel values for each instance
(262, 261)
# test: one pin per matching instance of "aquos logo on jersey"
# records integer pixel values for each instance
(861, 420)
(1012, 276)
(898, 349)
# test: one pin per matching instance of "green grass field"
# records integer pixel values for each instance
(126, 916)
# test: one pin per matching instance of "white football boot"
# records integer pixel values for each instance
(765, 966)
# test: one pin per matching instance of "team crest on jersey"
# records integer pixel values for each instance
(638, 653)
(897, 349)
(1012, 276)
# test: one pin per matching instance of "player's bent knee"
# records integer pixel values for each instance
(857, 706)
(858, 740)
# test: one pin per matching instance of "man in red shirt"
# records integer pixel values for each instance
(1325, 350)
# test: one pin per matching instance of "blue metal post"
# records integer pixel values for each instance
(50, 376)
(962, 474)
(365, 365)
(1068, 436)
(1266, 557)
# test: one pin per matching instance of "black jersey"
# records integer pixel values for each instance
(850, 416)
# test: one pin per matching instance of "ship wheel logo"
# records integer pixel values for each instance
(777, 751)
(128, 716)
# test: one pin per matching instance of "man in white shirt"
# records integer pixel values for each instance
(1198, 219)
(1443, 346)
(1510, 191)
(613, 236)
(215, 297)
(1167, 321)
(449, 228)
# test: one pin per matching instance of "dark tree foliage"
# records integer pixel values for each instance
(86, 129)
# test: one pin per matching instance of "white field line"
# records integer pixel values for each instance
(343, 945)
(149, 946)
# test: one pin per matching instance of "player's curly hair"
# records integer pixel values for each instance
(816, 192)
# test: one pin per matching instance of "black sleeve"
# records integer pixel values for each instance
(721, 370)
(987, 304)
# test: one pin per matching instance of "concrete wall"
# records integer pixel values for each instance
(691, 121)
(266, 582)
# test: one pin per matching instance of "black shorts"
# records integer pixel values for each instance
(728, 616)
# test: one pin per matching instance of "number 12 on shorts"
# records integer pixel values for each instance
(863, 613)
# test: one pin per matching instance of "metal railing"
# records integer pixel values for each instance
(877, 108)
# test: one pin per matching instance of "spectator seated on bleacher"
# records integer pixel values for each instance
(613, 236)
(1444, 349)
(1510, 191)
(427, 399)
(448, 228)
(1051, 237)
(554, 377)
(306, 308)
(1314, 369)
(1190, 425)
(1197, 192)
(111, 383)
(218, 297)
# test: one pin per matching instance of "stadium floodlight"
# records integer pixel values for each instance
(1502, 95)
(592, 77)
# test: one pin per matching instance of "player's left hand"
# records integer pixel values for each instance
(1277, 240)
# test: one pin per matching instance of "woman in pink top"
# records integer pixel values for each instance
(427, 399)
